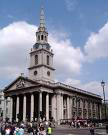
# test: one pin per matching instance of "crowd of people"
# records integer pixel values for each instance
(25, 129)
(78, 124)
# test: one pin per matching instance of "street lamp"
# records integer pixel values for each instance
(103, 85)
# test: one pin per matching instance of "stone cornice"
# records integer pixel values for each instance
(70, 89)
(41, 65)
(24, 90)
(42, 49)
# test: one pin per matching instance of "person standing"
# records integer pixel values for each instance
(21, 131)
(49, 130)
(42, 130)
(30, 130)
(92, 130)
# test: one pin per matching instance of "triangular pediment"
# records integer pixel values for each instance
(20, 83)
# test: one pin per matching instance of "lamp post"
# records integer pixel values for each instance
(103, 85)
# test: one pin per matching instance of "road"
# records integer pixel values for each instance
(70, 131)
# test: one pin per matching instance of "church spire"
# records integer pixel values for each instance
(42, 34)
(42, 18)
(42, 26)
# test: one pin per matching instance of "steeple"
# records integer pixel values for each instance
(42, 34)
(42, 18)
(42, 26)
(41, 56)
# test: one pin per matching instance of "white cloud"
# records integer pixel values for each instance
(96, 46)
(71, 4)
(15, 42)
(67, 59)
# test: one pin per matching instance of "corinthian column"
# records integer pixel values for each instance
(100, 110)
(24, 108)
(62, 106)
(40, 103)
(47, 106)
(59, 108)
(11, 109)
(17, 108)
(54, 107)
(68, 108)
(32, 107)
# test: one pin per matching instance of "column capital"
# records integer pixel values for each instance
(59, 93)
(32, 93)
(40, 91)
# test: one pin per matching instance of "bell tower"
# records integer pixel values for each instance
(41, 55)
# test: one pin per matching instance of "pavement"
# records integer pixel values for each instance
(101, 132)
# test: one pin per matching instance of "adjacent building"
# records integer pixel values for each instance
(38, 95)
(4, 106)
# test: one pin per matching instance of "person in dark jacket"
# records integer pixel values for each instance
(30, 130)
(92, 130)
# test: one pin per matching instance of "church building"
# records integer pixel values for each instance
(38, 95)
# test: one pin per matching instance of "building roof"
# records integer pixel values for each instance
(69, 88)
(54, 86)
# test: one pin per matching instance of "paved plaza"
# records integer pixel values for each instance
(81, 131)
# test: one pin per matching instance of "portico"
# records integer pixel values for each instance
(31, 106)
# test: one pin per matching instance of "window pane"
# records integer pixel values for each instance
(47, 60)
(36, 59)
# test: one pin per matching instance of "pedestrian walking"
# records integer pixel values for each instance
(7, 130)
(106, 128)
(49, 130)
(42, 130)
(92, 130)
(30, 130)
(21, 130)
(16, 132)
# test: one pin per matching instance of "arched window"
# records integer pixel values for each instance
(47, 60)
(41, 37)
(36, 59)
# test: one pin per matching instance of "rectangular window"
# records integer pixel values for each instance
(47, 60)
(36, 59)
(93, 106)
(73, 101)
(84, 104)
(0, 110)
(79, 104)
(88, 104)
(6, 110)
(6, 103)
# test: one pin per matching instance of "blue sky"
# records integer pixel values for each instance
(82, 22)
